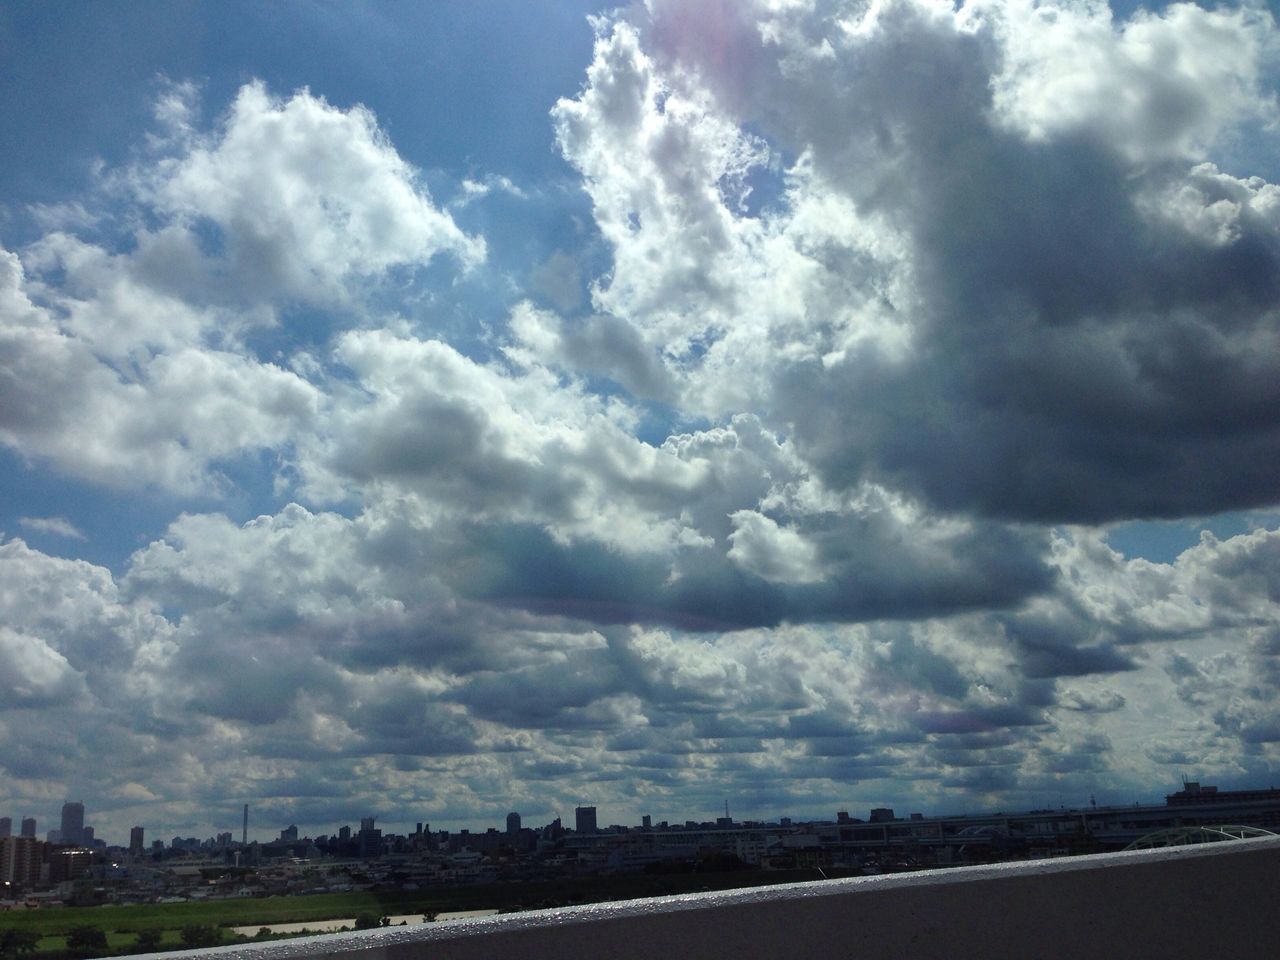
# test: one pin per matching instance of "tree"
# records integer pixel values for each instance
(86, 941)
(366, 921)
(18, 943)
(148, 941)
(200, 935)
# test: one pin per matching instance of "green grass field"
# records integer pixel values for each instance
(122, 923)
(218, 913)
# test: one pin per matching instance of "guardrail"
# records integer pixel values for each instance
(1204, 902)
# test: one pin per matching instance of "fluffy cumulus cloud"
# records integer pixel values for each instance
(301, 197)
(798, 486)
(167, 421)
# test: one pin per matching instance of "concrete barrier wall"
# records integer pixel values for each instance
(1203, 902)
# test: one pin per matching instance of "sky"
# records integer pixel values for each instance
(427, 411)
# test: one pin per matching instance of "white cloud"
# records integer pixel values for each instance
(1218, 209)
(58, 526)
(770, 551)
(75, 608)
(1160, 85)
(34, 674)
(107, 302)
(306, 197)
(163, 422)
(475, 189)
(722, 293)
(461, 435)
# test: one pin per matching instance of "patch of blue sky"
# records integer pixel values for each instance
(1125, 9)
(522, 232)
(658, 422)
(209, 236)
(468, 85)
(1163, 541)
(460, 86)
(765, 191)
(248, 487)
(114, 522)
(766, 183)
(525, 234)
(56, 125)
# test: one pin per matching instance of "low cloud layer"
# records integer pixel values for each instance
(787, 477)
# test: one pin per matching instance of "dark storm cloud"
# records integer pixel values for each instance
(1086, 754)
(555, 695)
(526, 567)
(1063, 647)
(1081, 363)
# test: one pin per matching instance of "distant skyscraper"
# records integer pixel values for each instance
(86, 836)
(647, 822)
(584, 820)
(369, 838)
(29, 827)
(244, 830)
(136, 844)
(6, 827)
(289, 833)
(513, 823)
(73, 822)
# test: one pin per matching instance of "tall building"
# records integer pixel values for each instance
(136, 844)
(584, 820)
(513, 824)
(72, 822)
(647, 822)
(369, 838)
(6, 827)
(20, 860)
(29, 827)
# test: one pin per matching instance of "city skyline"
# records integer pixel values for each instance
(433, 411)
(584, 818)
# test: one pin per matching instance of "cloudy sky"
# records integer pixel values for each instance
(433, 410)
